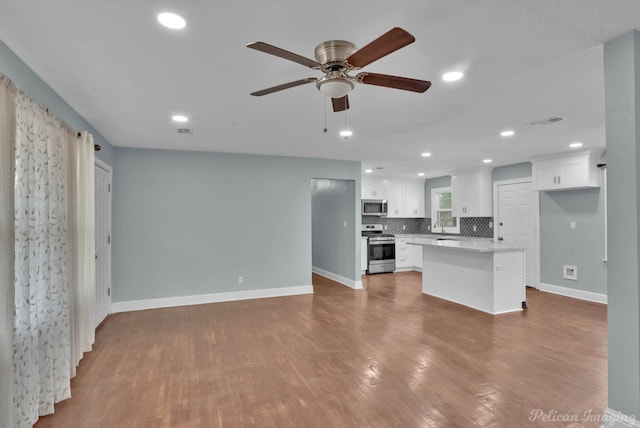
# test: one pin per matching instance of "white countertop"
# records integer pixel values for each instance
(437, 235)
(480, 245)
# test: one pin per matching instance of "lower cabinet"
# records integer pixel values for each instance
(404, 257)
(408, 257)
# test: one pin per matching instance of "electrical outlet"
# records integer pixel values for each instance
(240, 280)
(475, 228)
(572, 225)
(345, 223)
(429, 227)
(570, 272)
(385, 227)
(404, 227)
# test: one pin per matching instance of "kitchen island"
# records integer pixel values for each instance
(482, 274)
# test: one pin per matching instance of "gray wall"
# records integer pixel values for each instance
(510, 172)
(188, 223)
(24, 78)
(583, 246)
(622, 109)
(332, 241)
(433, 183)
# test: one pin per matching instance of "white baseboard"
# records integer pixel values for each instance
(615, 419)
(357, 285)
(168, 302)
(572, 292)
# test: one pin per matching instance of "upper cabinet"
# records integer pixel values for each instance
(373, 188)
(397, 199)
(415, 200)
(568, 170)
(405, 198)
(471, 193)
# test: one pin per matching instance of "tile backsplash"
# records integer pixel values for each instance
(483, 225)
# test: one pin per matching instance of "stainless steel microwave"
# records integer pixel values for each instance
(376, 207)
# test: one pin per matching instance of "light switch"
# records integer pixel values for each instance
(572, 225)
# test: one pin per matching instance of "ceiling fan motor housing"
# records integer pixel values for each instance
(332, 55)
(334, 51)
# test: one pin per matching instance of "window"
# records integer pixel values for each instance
(442, 211)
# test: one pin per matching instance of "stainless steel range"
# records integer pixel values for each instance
(381, 249)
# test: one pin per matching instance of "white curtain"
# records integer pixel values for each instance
(53, 252)
(82, 193)
(7, 129)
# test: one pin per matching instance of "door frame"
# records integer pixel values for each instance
(536, 220)
(98, 163)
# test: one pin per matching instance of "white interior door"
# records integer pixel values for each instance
(103, 240)
(517, 222)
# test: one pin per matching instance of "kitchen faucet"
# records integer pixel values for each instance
(441, 223)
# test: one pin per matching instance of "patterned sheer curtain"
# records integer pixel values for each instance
(7, 131)
(53, 221)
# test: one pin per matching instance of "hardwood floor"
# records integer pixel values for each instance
(386, 356)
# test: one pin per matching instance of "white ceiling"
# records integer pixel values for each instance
(524, 61)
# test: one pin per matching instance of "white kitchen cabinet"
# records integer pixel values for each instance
(471, 193)
(373, 188)
(568, 170)
(405, 198)
(404, 254)
(363, 254)
(396, 199)
(415, 200)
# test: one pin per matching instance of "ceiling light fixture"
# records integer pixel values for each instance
(346, 133)
(171, 20)
(507, 133)
(368, 171)
(452, 76)
(179, 118)
(575, 145)
(421, 174)
(426, 155)
(335, 87)
(487, 160)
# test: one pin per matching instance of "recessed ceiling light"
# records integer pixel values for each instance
(452, 76)
(171, 20)
(420, 174)
(575, 145)
(346, 133)
(507, 133)
(179, 118)
(426, 154)
(487, 160)
(368, 171)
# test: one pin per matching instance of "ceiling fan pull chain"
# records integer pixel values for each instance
(325, 115)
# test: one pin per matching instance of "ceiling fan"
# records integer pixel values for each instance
(337, 58)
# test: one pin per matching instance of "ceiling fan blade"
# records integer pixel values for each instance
(273, 50)
(389, 42)
(283, 86)
(395, 82)
(340, 104)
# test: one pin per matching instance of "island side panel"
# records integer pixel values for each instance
(509, 281)
(464, 277)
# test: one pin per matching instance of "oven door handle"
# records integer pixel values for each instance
(381, 242)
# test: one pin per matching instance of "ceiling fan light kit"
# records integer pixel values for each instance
(337, 58)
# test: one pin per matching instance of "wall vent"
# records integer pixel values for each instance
(185, 131)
